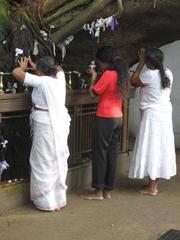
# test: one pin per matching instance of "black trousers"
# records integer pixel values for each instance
(105, 139)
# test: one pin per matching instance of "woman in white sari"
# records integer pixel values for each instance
(50, 128)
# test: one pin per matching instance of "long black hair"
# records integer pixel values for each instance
(47, 66)
(109, 56)
(154, 58)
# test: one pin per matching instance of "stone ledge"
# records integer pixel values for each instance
(13, 195)
(16, 194)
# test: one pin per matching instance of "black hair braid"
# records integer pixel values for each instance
(165, 82)
(155, 57)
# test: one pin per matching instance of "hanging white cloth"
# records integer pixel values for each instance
(35, 49)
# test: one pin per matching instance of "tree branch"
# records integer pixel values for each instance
(80, 20)
(64, 9)
(66, 18)
(51, 5)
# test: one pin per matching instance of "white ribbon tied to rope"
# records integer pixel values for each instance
(18, 52)
(35, 50)
(44, 34)
(3, 166)
(94, 28)
(62, 45)
(154, 3)
(4, 143)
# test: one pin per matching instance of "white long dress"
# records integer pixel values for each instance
(49, 152)
(154, 150)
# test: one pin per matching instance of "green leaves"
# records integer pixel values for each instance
(4, 14)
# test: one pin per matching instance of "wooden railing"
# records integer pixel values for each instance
(82, 108)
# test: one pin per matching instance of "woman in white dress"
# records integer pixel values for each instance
(50, 128)
(154, 151)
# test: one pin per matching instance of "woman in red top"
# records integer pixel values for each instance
(109, 87)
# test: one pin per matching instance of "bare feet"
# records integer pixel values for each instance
(107, 194)
(148, 191)
(57, 209)
(95, 195)
(60, 208)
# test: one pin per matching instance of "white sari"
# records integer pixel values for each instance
(49, 151)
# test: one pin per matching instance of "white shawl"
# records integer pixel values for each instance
(55, 93)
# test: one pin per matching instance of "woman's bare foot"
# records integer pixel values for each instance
(107, 194)
(148, 191)
(95, 195)
(57, 209)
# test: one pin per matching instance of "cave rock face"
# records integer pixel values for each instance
(172, 61)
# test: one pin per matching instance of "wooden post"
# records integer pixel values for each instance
(125, 125)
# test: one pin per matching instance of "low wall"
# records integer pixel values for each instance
(13, 195)
(16, 194)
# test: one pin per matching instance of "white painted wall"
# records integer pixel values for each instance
(172, 61)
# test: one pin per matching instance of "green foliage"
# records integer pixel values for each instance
(4, 14)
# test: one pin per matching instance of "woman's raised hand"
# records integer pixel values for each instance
(31, 63)
(23, 63)
(59, 69)
(92, 72)
(141, 54)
